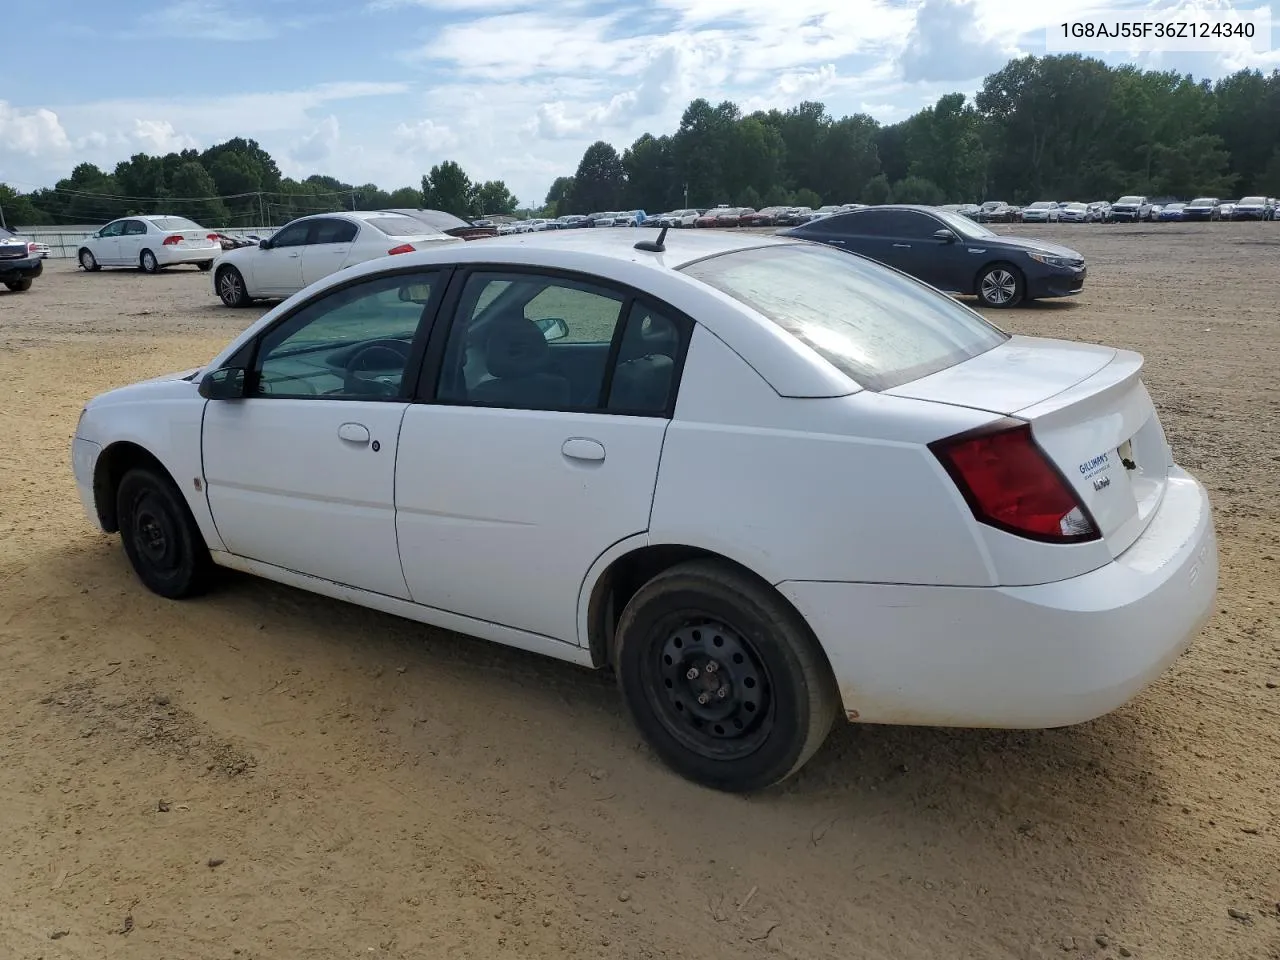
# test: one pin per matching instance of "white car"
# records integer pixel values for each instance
(1043, 211)
(769, 483)
(149, 243)
(311, 248)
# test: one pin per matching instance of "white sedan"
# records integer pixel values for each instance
(311, 248)
(769, 483)
(149, 243)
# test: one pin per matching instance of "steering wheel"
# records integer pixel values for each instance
(386, 355)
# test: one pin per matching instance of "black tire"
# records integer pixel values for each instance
(18, 286)
(148, 263)
(231, 288)
(88, 262)
(1000, 286)
(205, 266)
(160, 537)
(781, 699)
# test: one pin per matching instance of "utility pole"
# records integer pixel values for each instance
(686, 196)
(262, 216)
(3, 225)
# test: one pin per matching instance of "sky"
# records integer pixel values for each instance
(514, 90)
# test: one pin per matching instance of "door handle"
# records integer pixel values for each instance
(903, 246)
(582, 448)
(293, 256)
(354, 432)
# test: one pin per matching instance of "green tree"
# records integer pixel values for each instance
(807, 198)
(650, 172)
(917, 190)
(849, 158)
(877, 190)
(447, 187)
(560, 197)
(601, 181)
(405, 197)
(778, 196)
(17, 209)
(492, 198)
(1195, 165)
(192, 182)
(749, 198)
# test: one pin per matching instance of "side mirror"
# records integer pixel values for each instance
(225, 383)
(415, 293)
(553, 328)
(265, 243)
(945, 235)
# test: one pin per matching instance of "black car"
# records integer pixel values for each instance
(20, 263)
(952, 253)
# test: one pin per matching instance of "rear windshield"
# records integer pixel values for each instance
(1254, 201)
(878, 326)
(402, 226)
(1129, 200)
(175, 223)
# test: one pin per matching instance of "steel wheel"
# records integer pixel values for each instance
(159, 535)
(711, 690)
(154, 534)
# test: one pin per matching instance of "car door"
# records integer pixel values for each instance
(105, 244)
(132, 239)
(327, 248)
(863, 232)
(916, 249)
(531, 459)
(277, 268)
(300, 473)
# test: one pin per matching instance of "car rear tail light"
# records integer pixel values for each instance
(403, 248)
(32, 248)
(170, 241)
(1010, 483)
(213, 237)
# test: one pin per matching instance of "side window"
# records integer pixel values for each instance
(914, 226)
(351, 344)
(134, 228)
(333, 231)
(540, 343)
(112, 229)
(869, 223)
(292, 235)
(644, 379)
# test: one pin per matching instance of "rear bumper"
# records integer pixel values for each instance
(1049, 655)
(169, 256)
(27, 268)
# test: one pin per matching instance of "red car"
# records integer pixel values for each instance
(732, 217)
(709, 218)
(762, 218)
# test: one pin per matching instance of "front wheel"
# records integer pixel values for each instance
(17, 286)
(1001, 286)
(231, 288)
(723, 678)
(160, 537)
(88, 261)
(148, 262)
(205, 266)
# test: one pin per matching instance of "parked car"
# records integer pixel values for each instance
(998, 517)
(793, 216)
(1073, 213)
(970, 210)
(149, 243)
(996, 211)
(1272, 205)
(1171, 212)
(1042, 211)
(1154, 213)
(952, 253)
(572, 221)
(20, 261)
(310, 248)
(1130, 209)
(1099, 211)
(446, 222)
(732, 216)
(767, 217)
(1226, 211)
(1250, 208)
(1201, 208)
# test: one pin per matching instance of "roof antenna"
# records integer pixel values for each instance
(654, 246)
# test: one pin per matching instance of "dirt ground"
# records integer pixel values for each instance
(267, 774)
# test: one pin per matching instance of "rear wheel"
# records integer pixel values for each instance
(160, 537)
(723, 678)
(17, 286)
(1001, 285)
(88, 261)
(148, 262)
(231, 288)
(205, 265)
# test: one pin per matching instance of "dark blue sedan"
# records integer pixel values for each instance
(952, 253)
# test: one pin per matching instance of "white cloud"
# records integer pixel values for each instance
(424, 136)
(33, 132)
(159, 137)
(202, 20)
(317, 144)
(948, 43)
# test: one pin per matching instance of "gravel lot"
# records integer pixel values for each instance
(267, 774)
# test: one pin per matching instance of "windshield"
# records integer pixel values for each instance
(6, 235)
(1129, 200)
(1076, 206)
(879, 327)
(1254, 201)
(175, 223)
(1040, 206)
(963, 225)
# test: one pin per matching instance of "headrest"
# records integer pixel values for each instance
(515, 347)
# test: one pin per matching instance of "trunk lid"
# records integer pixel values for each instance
(1088, 410)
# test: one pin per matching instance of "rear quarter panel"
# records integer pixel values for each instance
(836, 488)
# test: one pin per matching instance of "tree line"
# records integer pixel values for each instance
(1057, 127)
(236, 183)
(1042, 128)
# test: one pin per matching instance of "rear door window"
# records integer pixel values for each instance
(879, 327)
